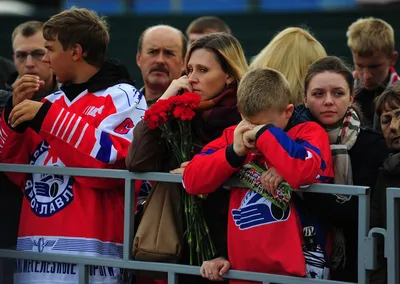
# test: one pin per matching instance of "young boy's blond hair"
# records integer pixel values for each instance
(262, 89)
(369, 35)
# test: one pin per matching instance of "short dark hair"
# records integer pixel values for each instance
(27, 29)
(388, 100)
(80, 26)
(330, 64)
(200, 25)
(183, 38)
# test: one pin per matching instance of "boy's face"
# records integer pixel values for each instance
(373, 70)
(277, 118)
(390, 123)
(61, 61)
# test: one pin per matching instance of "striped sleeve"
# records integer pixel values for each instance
(301, 156)
(81, 144)
(15, 148)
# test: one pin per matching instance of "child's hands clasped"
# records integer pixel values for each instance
(249, 137)
(238, 143)
(215, 268)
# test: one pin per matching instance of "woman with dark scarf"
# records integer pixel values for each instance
(214, 66)
(357, 153)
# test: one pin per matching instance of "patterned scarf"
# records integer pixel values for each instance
(214, 115)
(342, 139)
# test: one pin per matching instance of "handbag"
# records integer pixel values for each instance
(159, 236)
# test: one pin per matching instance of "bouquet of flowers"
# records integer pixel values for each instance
(250, 174)
(172, 116)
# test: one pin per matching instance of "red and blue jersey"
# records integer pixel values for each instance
(71, 214)
(261, 236)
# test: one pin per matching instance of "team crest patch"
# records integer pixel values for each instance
(256, 210)
(48, 193)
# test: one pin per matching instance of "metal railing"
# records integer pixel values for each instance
(173, 270)
(392, 234)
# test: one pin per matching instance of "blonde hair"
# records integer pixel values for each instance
(227, 50)
(263, 89)
(291, 52)
(368, 35)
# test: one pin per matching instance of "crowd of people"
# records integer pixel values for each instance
(303, 115)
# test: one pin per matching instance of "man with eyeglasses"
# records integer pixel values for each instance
(28, 48)
(35, 78)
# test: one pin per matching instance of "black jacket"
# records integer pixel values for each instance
(367, 155)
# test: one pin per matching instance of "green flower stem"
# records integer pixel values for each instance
(197, 233)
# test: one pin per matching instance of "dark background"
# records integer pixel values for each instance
(254, 30)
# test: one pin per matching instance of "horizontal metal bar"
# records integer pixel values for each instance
(166, 177)
(318, 188)
(155, 266)
(89, 172)
(337, 189)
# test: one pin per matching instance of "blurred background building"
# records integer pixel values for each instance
(253, 22)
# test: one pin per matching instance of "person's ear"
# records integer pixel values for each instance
(77, 52)
(138, 57)
(289, 111)
(351, 98)
(393, 58)
(229, 80)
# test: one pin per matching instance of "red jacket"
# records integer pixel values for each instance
(262, 237)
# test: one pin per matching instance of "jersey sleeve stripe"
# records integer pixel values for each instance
(69, 123)
(293, 149)
(62, 123)
(104, 152)
(74, 129)
(313, 148)
(81, 136)
(55, 122)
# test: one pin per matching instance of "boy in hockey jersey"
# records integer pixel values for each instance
(262, 237)
(89, 124)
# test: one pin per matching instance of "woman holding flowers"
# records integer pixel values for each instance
(214, 66)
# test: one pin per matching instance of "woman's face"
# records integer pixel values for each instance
(206, 75)
(328, 97)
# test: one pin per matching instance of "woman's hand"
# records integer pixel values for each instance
(215, 268)
(181, 169)
(182, 83)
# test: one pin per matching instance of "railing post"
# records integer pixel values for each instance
(128, 218)
(172, 278)
(83, 274)
(363, 227)
(392, 244)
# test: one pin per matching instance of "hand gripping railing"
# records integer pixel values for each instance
(172, 270)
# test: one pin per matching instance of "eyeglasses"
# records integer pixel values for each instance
(36, 55)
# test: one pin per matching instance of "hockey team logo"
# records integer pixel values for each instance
(256, 210)
(41, 244)
(48, 193)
